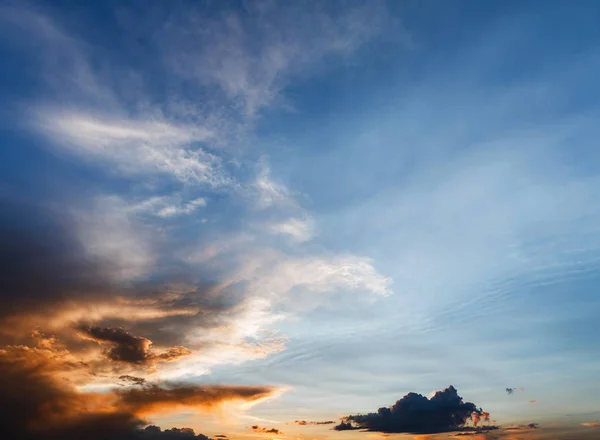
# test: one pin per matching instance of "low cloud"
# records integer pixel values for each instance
(522, 427)
(42, 262)
(304, 422)
(168, 397)
(129, 348)
(52, 408)
(414, 413)
(155, 433)
(133, 379)
(262, 430)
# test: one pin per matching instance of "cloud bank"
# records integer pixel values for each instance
(414, 413)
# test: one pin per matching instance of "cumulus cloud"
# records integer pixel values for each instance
(155, 433)
(478, 416)
(444, 412)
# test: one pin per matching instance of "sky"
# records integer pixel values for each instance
(299, 220)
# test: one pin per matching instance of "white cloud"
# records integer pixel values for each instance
(270, 192)
(107, 232)
(252, 56)
(136, 147)
(188, 208)
(99, 119)
(321, 274)
(272, 274)
(167, 206)
(299, 229)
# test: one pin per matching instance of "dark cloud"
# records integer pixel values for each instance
(133, 379)
(262, 430)
(346, 426)
(42, 261)
(509, 391)
(36, 403)
(444, 412)
(473, 431)
(130, 348)
(220, 436)
(304, 422)
(155, 433)
(521, 427)
(173, 353)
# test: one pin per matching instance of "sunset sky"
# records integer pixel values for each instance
(270, 219)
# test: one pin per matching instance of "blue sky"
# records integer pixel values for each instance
(383, 197)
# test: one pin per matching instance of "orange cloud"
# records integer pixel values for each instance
(477, 417)
(155, 398)
(591, 424)
(39, 397)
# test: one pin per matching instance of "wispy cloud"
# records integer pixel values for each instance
(299, 229)
(252, 55)
(137, 147)
(167, 159)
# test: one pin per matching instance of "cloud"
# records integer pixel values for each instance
(270, 192)
(414, 413)
(133, 379)
(276, 274)
(52, 408)
(346, 426)
(262, 430)
(298, 229)
(522, 427)
(135, 148)
(252, 55)
(172, 396)
(188, 208)
(42, 261)
(478, 416)
(107, 231)
(304, 422)
(102, 267)
(591, 424)
(130, 348)
(155, 433)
